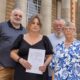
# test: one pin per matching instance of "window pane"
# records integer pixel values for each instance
(34, 7)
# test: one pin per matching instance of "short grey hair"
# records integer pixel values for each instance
(16, 9)
(59, 19)
(69, 24)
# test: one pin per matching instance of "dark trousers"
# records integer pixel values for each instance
(49, 77)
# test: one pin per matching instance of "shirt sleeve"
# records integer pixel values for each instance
(48, 46)
(17, 42)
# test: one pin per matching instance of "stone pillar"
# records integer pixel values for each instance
(59, 9)
(66, 9)
(2, 10)
(46, 16)
(22, 4)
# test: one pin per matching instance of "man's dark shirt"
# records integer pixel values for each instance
(8, 35)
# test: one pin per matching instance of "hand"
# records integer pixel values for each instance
(42, 68)
(25, 63)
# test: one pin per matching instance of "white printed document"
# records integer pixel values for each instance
(36, 59)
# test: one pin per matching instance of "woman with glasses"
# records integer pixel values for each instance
(66, 61)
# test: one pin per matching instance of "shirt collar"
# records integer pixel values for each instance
(10, 25)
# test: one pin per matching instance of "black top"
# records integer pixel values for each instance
(23, 47)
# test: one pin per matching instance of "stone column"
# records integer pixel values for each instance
(2, 10)
(46, 16)
(66, 9)
(22, 4)
(59, 9)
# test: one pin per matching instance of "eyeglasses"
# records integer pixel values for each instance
(69, 28)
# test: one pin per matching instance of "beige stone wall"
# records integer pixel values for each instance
(9, 7)
(54, 11)
(66, 10)
(2, 10)
(78, 19)
(46, 16)
(73, 10)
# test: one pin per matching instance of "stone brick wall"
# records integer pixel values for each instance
(73, 11)
(54, 11)
(9, 6)
(78, 19)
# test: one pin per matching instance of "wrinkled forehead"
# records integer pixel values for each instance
(69, 27)
(56, 22)
(17, 12)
